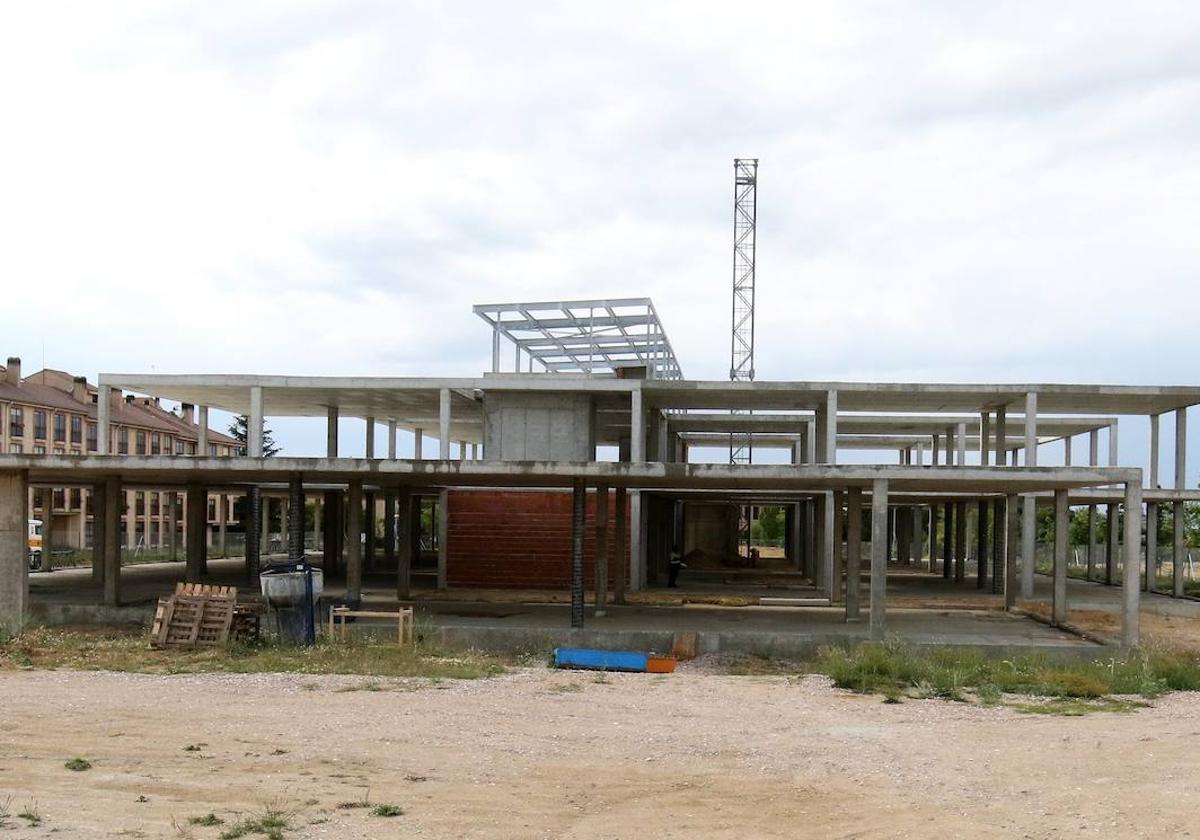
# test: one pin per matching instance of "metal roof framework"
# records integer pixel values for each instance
(593, 337)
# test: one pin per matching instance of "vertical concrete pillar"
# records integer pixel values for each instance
(879, 539)
(1028, 544)
(222, 524)
(637, 427)
(1093, 460)
(1012, 539)
(443, 526)
(933, 527)
(201, 431)
(496, 349)
(444, 424)
(947, 537)
(407, 542)
(1001, 435)
(264, 524)
(419, 444)
(1178, 556)
(601, 575)
(1031, 429)
(985, 433)
(331, 432)
(389, 528)
(961, 442)
(838, 528)
(1113, 444)
(285, 540)
(1066, 450)
(172, 520)
(130, 520)
(99, 521)
(295, 534)
(369, 517)
(1131, 597)
(827, 429)
(578, 511)
(853, 552)
(354, 555)
(933, 457)
(112, 541)
(318, 518)
(1154, 453)
(1110, 545)
(620, 540)
(1062, 522)
(999, 534)
(254, 536)
(14, 560)
(369, 441)
(196, 559)
(104, 420)
(960, 541)
(828, 541)
(1151, 578)
(254, 425)
(981, 543)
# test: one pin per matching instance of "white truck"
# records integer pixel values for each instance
(34, 544)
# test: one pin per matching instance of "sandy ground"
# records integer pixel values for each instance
(538, 753)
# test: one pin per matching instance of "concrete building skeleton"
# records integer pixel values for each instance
(611, 380)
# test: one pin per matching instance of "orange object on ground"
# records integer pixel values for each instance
(660, 664)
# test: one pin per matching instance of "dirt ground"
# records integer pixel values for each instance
(538, 753)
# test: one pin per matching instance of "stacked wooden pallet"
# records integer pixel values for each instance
(198, 615)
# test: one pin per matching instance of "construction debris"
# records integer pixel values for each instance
(198, 615)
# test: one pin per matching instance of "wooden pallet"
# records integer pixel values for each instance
(182, 588)
(192, 620)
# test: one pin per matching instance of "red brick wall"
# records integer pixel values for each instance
(520, 539)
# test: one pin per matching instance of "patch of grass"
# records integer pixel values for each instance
(125, 649)
(208, 819)
(1073, 707)
(370, 685)
(78, 764)
(758, 666)
(565, 688)
(385, 810)
(894, 670)
(31, 815)
(272, 821)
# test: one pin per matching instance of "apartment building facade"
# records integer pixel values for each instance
(52, 411)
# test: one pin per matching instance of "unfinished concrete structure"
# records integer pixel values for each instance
(611, 419)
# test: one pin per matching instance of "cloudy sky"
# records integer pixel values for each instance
(948, 191)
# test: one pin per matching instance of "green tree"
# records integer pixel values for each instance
(237, 430)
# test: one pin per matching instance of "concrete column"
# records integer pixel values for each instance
(999, 534)
(369, 515)
(369, 443)
(981, 543)
(853, 552)
(112, 541)
(104, 420)
(879, 539)
(14, 561)
(331, 432)
(947, 537)
(195, 553)
(838, 527)
(130, 520)
(1154, 452)
(827, 429)
(637, 424)
(284, 533)
(1093, 460)
(1001, 435)
(172, 519)
(1110, 546)
(933, 458)
(222, 524)
(601, 574)
(1012, 539)
(637, 541)
(1028, 545)
(1131, 597)
(254, 426)
(810, 442)
(354, 554)
(99, 520)
(496, 350)
(462, 450)
(264, 525)
(418, 444)
(828, 542)
(960, 541)
(295, 507)
(1031, 402)
(444, 424)
(578, 514)
(443, 526)
(391, 441)
(1066, 450)
(620, 540)
(201, 431)
(985, 433)
(1062, 522)
(1113, 448)
(407, 543)
(961, 443)
(1151, 546)
(1178, 555)
(389, 528)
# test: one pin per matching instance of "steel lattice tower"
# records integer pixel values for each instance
(745, 212)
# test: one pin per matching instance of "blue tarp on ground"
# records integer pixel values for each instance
(600, 660)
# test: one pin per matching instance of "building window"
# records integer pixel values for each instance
(178, 446)
(59, 500)
(155, 443)
(91, 437)
(16, 421)
(154, 504)
(76, 429)
(39, 450)
(75, 499)
(39, 425)
(60, 428)
(166, 444)
(191, 448)
(16, 448)
(123, 441)
(37, 498)
(139, 504)
(58, 450)
(141, 442)
(212, 450)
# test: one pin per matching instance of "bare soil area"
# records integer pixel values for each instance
(540, 753)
